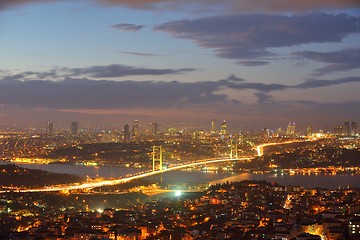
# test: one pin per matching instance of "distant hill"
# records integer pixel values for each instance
(12, 175)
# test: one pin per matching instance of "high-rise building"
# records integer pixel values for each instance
(126, 131)
(136, 129)
(49, 128)
(223, 128)
(291, 129)
(265, 132)
(354, 129)
(308, 130)
(155, 128)
(74, 128)
(213, 126)
(347, 130)
(339, 130)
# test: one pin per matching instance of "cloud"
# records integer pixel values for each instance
(85, 93)
(253, 63)
(343, 60)
(262, 97)
(243, 6)
(24, 76)
(107, 71)
(117, 70)
(239, 6)
(233, 78)
(233, 82)
(140, 54)
(127, 27)
(79, 90)
(172, 100)
(11, 3)
(251, 38)
(314, 83)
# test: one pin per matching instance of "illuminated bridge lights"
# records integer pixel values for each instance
(101, 183)
(77, 186)
(260, 148)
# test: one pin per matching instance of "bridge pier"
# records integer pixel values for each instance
(157, 156)
(234, 149)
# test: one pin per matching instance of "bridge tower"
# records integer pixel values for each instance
(233, 150)
(157, 156)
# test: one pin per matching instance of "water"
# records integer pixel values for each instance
(324, 181)
(309, 181)
(83, 171)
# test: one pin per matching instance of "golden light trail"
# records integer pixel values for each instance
(260, 148)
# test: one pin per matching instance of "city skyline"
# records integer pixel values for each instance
(254, 65)
(133, 130)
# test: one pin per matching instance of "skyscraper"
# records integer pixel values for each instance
(308, 130)
(291, 129)
(126, 131)
(223, 128)
(213, 126)
(136, 129)
(265, 132)
(49, 128)
(339, 130)
(354, 129)
(155, 128)
(74, 128)
(347, 130)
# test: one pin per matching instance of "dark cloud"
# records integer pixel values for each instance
(314, 83)
(72, 93)
(108, 71)
(262, 97)
(117, 70)
(127, 27)
(250, 37)
(24, 90)
(28, 75)
(253, 63)
(233, 78)
(343, 60)
(233, 82)
(84, 93)
(64, 88)
(88, 96)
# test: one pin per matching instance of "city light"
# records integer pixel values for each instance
(178, 193)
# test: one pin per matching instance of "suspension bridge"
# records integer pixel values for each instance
(157, 157)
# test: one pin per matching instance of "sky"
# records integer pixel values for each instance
(256, 64)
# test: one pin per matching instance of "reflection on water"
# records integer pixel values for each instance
(325, 181)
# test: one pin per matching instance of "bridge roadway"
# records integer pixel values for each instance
(260, 148)
(77, 186)
(90, 185)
